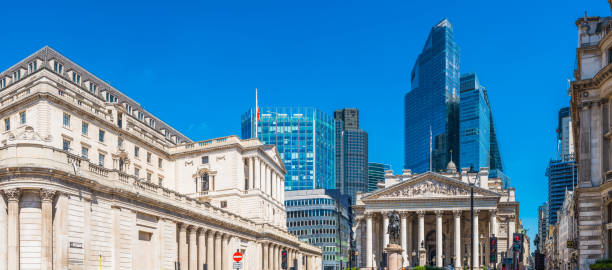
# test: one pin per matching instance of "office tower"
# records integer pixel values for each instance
(433, 104)
(542, 225)
(351, 153)
(376, 173)
(564, 133)
(475, 123)
(305, 140)
(322, 218)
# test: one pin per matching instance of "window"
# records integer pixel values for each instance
(17, 75)
(3, 83)
(159, 162)
(7, 124)
(204, 182)
(84, 152)
(57, 67)
(66, 120)
(148, 157)
(144, 236)
(205, 160)
(22, 118)
(160, 180)
(152, 123)
(76, 78)
(119, 142)
(32, 66)
(66, 145)
(84, 128)
(101, 159)
(101, 136)
(111, 98)
(136, 172)
(149, 176)
(93, 88)
(223, 204)
(140, 116)
(136, 151)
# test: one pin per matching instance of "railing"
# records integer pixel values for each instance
(99, 170)
(73, 159)
(124, 177)
(206, 143)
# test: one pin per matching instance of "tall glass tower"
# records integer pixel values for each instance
(376, 173)
(305, 140)
(474, 123)
(351, 153)
(433, 103)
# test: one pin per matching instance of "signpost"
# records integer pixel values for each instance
(237, 258)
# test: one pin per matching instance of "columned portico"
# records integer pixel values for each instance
(404, 231)
(475, 244)
(385, 232)
(438, 238)
(457, 215)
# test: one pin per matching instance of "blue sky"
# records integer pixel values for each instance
(196, 64)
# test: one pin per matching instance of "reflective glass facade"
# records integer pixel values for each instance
(433, 102)
(474, 124)
(305, 140)
(562, 175)
(376, 173)
(351, 153)
(321, 218)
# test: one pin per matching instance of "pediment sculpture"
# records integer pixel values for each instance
(428, 188)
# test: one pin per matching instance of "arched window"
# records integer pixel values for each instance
(204, 180)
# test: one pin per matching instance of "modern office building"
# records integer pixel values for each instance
(376, 173)
(562, 175)
(321, 218)
(351, 153)
(91, 180)
(305, 139)
(565, 137)
(432, 105)
(542, 225)
(474, 124)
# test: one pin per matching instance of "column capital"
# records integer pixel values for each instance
(404, 214)
(420, 213)
(47, 195)
(13, 194)
(493, 212)
(476, 211)
(457, 213)
(438, 213)
(182, 226)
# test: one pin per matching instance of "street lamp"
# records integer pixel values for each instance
(472, 212)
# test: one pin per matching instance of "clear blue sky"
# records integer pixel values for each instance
(196, 64)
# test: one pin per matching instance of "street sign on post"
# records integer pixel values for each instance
(237, 256)
(237, 265)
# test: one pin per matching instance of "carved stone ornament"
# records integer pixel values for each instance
(428, 188)
(457, 213)
(47, 195)
(12, 194)
(28, 134)
(420, 213)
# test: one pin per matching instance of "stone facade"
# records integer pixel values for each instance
(435, 218)
(591, 111)
(92, 181)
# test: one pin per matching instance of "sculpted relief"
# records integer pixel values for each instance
(428, 188)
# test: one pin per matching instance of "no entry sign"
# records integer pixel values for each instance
(237, 256)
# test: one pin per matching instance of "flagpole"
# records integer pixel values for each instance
(430, 151)
(256, 113)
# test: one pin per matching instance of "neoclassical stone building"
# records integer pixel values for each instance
(90, 180)
(435, 218)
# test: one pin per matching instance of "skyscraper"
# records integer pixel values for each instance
(564, 134)
(351, 153)
(305, 140)
(474, 124)
(376, 173)
(433, 103)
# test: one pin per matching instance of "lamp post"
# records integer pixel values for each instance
(472, 213)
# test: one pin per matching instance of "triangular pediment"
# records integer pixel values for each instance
(428, 185)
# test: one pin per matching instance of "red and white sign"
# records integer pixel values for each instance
(237, 256)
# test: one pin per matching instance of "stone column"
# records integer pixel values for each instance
(201, 248)
(268, 180)
(385, 231)
(493, 223)
(271, 256)
(227, 261)
(251, 179)
(439, 238)
(46, 228)
(257, 168)
(210, 255)
(420, 246)
(475, 261)
(511, 228)
(193, 249)
(457, 214)
(403, 217)
(13, 196)
(368, 240)
(218, 261)
(265, 256)
(410, 240)
(4, 236)
(275, 258)
(182, 247)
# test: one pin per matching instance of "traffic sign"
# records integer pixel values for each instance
(237, 265)
(237, 256)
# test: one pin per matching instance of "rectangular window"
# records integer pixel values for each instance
(149, 176)
(101, 159)
(7, 124)
(148, 157)
(101, 136)
(57, 67)
(205, 160)
(3, 83)
(32, 66)
(84, 152)
(76, 78)
(111, 98)
(223, 204)
(85, 128)
(144, 236)
(140, 116)
(159, 162)
(136, 151)
(22, 118)
(66, 145)
(136, 172)
(93, 88)
(66, 120)
(119, 142)
(17, 75)
(160, 181)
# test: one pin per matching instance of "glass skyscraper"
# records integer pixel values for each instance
(305, 140)
(474, 124)
(351, 153)
(433, 103)
(376, 173)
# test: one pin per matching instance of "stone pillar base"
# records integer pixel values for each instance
(422, 257)
(394, 256)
